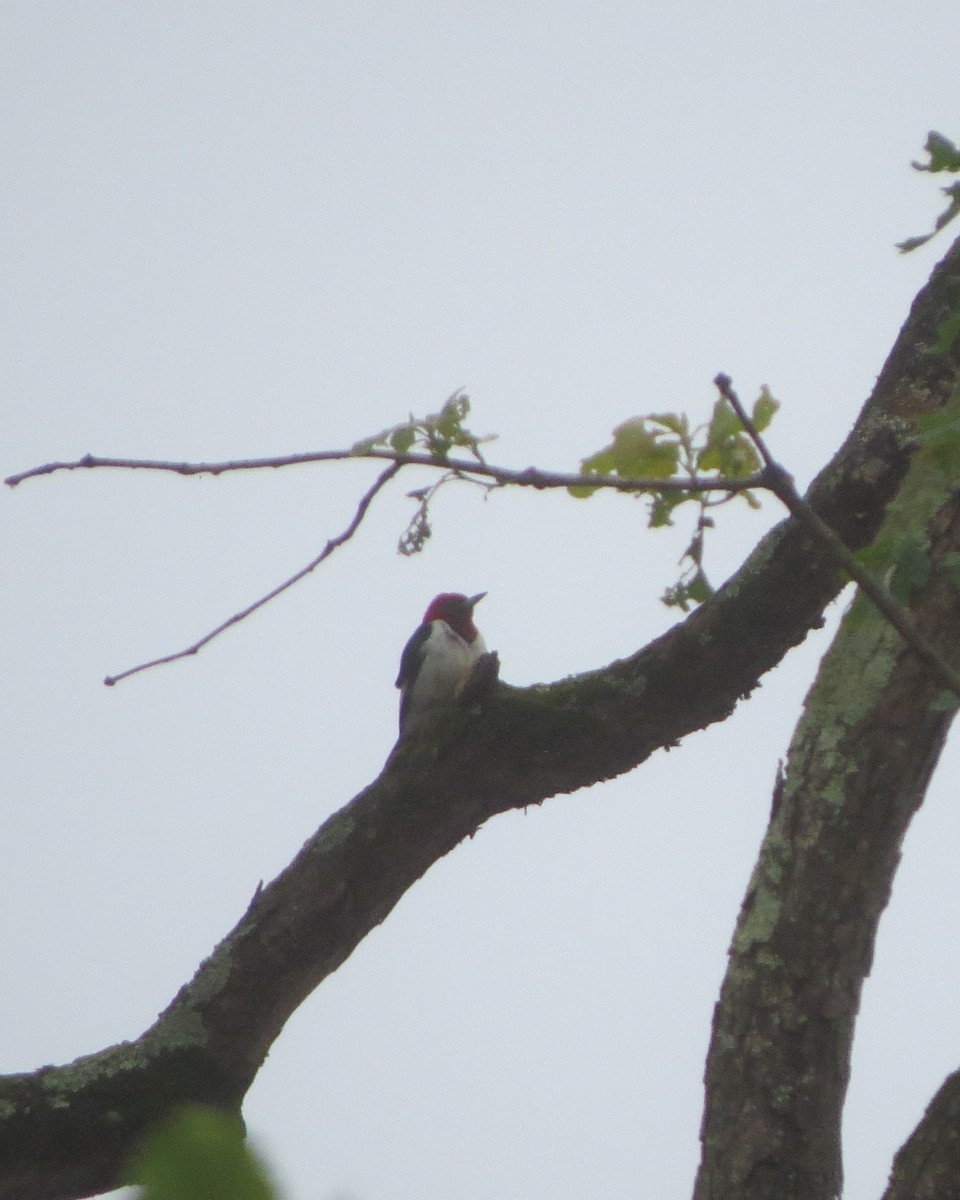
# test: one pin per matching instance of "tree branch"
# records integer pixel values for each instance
(526, 477)
(475, 470)
(927, 1166)
(66, 1131)
(857, 770)
(334, 543)
(780, 482)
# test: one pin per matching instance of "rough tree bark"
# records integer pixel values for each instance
(857, 770)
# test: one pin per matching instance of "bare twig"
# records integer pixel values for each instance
(771, 477)
(366, 500)
(780, 482)
(527, 477)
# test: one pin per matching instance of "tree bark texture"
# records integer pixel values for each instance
(857, 770)
(67, 1131)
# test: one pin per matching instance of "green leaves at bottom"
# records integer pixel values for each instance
(200, 1154)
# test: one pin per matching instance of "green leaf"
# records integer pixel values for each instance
(403, 438)
(200, 1154)
(674, 422)
(724, 423)
(734, 457)
(448, 423)
(751, 500)
(709, 459)
(700, 589)
(438, 446)
(662, 505)
(684, 595)
(741, 458)
(601, 463)
(944, 155)
(676, 597)
(764, 409)
(913, 243)
(581, 492)
(637, 451)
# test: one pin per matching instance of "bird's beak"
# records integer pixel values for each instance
(472, 600)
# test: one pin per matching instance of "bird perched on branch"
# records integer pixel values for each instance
(438, 659)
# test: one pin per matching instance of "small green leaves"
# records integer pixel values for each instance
(764, 409)
(200, 1154)
(436, 434)
(685, 594)
(944, 156)
(729, 449)
(638, 450)
(663, 446)
(403, 438)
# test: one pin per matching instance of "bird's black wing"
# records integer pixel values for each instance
(412, 656)
(410, 661)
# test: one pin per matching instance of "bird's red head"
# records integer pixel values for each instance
(457, 610)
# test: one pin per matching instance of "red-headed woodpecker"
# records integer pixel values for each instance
(438, 658)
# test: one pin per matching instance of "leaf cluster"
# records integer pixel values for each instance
(944, 156)
(665, 446)
(436, 434)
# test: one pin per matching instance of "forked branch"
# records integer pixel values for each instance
(334, 543)
(780, 482)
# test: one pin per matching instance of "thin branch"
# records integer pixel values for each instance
(528, 477)
(780, 482)
(381, 481)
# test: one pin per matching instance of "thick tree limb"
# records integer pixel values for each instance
(858, 768)
(928, 1165)
(857, 771)
(66, 1131)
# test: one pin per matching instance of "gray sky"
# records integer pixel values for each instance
(244, 229)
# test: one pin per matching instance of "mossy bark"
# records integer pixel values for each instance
(858, 766)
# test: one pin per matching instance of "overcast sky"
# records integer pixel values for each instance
(243, 229)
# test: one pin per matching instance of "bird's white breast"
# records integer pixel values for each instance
(447, 661)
